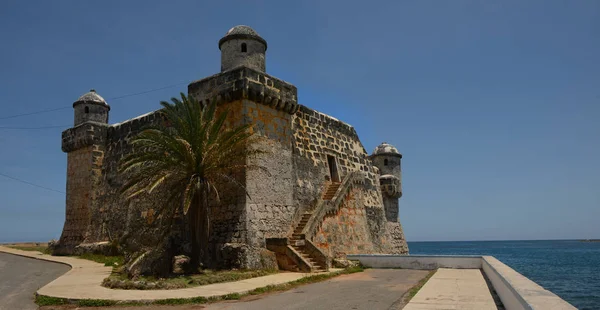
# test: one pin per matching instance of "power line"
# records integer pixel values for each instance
(113, 98)
(147, 91)
(32, 113)
(29, 183)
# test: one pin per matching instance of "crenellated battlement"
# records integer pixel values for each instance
(246, 83)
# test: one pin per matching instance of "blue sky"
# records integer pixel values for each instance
(494, 104)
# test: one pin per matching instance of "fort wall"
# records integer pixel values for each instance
(295, 154)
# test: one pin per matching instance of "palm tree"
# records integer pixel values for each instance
(187, 158)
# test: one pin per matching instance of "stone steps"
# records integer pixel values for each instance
(328, 194)
(302, 224)
(331, 190)
(316, 266)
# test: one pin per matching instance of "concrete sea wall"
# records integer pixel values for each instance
(515, 290)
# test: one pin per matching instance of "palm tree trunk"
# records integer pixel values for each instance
(194, 227)
(200, 229)
(204, 225)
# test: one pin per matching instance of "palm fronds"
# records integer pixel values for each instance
(189, 158)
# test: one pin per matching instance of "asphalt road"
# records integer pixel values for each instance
(21, 277)
(372, 289)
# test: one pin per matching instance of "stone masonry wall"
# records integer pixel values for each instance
(360, 226)
(269, 180)
(137, 222)
(317, 135)
(347, 231)
(232, 56)
(85, 147)
(79, 186)
(264, 209)
(119, 217)
(357, 228)
(266, 103)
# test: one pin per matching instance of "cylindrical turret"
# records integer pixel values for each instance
(242, 46)
(91, 107)
(388, 160)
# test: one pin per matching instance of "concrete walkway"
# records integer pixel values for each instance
(84, 281)
(454, 289)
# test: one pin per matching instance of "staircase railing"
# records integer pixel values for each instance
(317, 254)
(325, 207)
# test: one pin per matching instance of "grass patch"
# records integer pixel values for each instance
(49, 301)
(38, 248)
(232, 296)
(95, 303)
(42, 300)
(109, 261)
(171, 301)
(415, 289)
(119, 280)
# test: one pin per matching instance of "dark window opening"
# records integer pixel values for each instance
(385, 162)
(87, 110)
(243, 47)
(333, 171)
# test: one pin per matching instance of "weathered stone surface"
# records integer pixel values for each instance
(105, 248)
(240, 49)
(344, 263)
(243, 256)
(91, 107)
(246, 83)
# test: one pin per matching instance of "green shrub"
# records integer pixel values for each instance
(95, 303)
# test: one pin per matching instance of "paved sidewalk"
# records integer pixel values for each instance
(454, 289)
(84, 280)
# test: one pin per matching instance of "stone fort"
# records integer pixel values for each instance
(319, 196)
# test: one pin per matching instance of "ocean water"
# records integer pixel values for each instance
(568, 268)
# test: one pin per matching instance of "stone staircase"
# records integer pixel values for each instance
(297, 235)
(315, 266)
(331, 190)
(298, 242)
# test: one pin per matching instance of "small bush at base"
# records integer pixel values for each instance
(119, 280)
